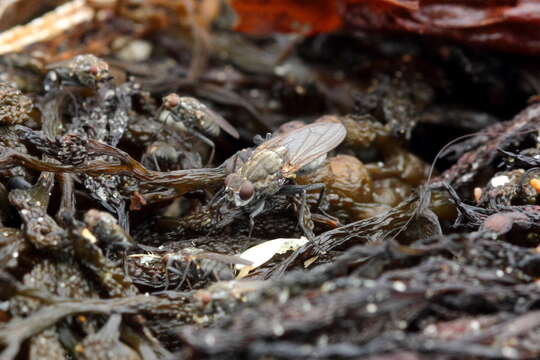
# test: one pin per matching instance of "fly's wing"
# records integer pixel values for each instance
(307, 144)
(224, 124)
(227, 259)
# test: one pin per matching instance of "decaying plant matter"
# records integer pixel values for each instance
(173, 188)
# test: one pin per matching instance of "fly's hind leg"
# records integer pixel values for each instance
(304, 217)
(304, 214)
(208, 142)
(295, 189)
(305, 220)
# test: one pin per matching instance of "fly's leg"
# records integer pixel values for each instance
(258, 139)
(208, 142)
(295, 189)
(257, 211)
(184, 277)
(329, 218)
(155, 162)
(168, 266)
(305, 221)
(183, 274)
(304, 214)
(304, 217)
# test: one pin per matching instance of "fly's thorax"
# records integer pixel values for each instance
(196, 115)
(264, 166)
(196, 119)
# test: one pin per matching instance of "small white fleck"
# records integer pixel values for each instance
(16, 254)
(328, 287)
(280, 70)
(371, 308)
(402, 324)
(500, 273)
(474, 325)
(399, 286)
(499, 180)
(254, 93)
(510, 352)
(430, 330)
(370, 283)
(210, 340)
(322, 341)
(283, 296)
(278, 330)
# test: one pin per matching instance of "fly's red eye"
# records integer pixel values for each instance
(93, 70)
(246, 190)
(171, 100)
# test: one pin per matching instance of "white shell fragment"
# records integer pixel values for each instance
(259, 254)
(500, 180)
(133, 49)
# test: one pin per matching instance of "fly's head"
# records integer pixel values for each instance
(181, 111)
(167, 114)
(171, 101)
(90, 70)
(239, 190)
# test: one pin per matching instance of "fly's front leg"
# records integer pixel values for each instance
(257, 211)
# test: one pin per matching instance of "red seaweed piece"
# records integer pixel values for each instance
(506, 25)
(261, 17)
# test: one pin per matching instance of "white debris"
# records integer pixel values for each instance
(500, 180)
(259, 254)
(133, 49)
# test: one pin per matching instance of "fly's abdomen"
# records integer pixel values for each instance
(210, 127)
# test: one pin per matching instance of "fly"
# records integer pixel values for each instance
(271, 167)
(82, 71)
(192, 116)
